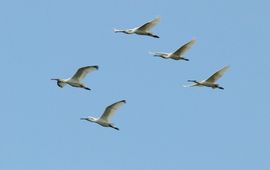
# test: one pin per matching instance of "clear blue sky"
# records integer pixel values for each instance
(163, 125)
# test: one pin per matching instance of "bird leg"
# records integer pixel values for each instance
(152, 35)
(86, 88)
(116, 128)
(185, 59)
(220, 88)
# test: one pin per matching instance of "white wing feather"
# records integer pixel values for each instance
(180, 51)
(147, 26)
(82, 72)
(217, 75)
(110, 110)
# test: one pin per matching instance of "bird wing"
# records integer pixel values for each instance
(180, 51)
(110, 110)
(82, 72)
(147, 26)
(217, 75)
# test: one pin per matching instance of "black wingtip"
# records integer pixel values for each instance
(155, 36)
(96, 67)
(123, 101)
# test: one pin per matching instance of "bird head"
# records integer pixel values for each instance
(61, 83)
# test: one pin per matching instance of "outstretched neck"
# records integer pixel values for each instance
(61, 80)
(123, 31)
(163, 55)
(128, 31)
(194, 81)
(90, 119)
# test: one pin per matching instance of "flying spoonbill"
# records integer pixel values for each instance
(142, 30)
(178, 54)
(104, 120)
(210, 82)
(75, 81)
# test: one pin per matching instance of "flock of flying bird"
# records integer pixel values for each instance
(104, 119)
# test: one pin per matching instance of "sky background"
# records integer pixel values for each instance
(163, 125)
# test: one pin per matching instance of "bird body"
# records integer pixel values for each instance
(141, 30)
(104, 120)
(75, 80)
(211, 81)
(178, 54)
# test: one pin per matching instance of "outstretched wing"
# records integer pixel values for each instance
(110, 110)
(180, 51)
(217, 75)
(147, 26)
(82, 72)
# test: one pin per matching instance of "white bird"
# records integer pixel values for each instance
(178, 54)
(142, 30)
(104, 120)
(75, 80)
(210, 82)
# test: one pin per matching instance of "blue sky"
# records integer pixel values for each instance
(163, 125)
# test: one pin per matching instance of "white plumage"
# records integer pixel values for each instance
(75, 80)
(104, 119)
(176, 55)
(142, 30)
(211, 81)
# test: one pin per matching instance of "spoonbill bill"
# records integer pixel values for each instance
(142, 30)
(104, 120)
(176, 55)
(210, 82)
(75, 80)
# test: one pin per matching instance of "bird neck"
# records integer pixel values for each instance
(194, 81)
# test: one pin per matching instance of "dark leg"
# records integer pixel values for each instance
(155, 36)
(116, 128)
(86, 88)
(185, 59)
(152, 35)
(221, 88)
